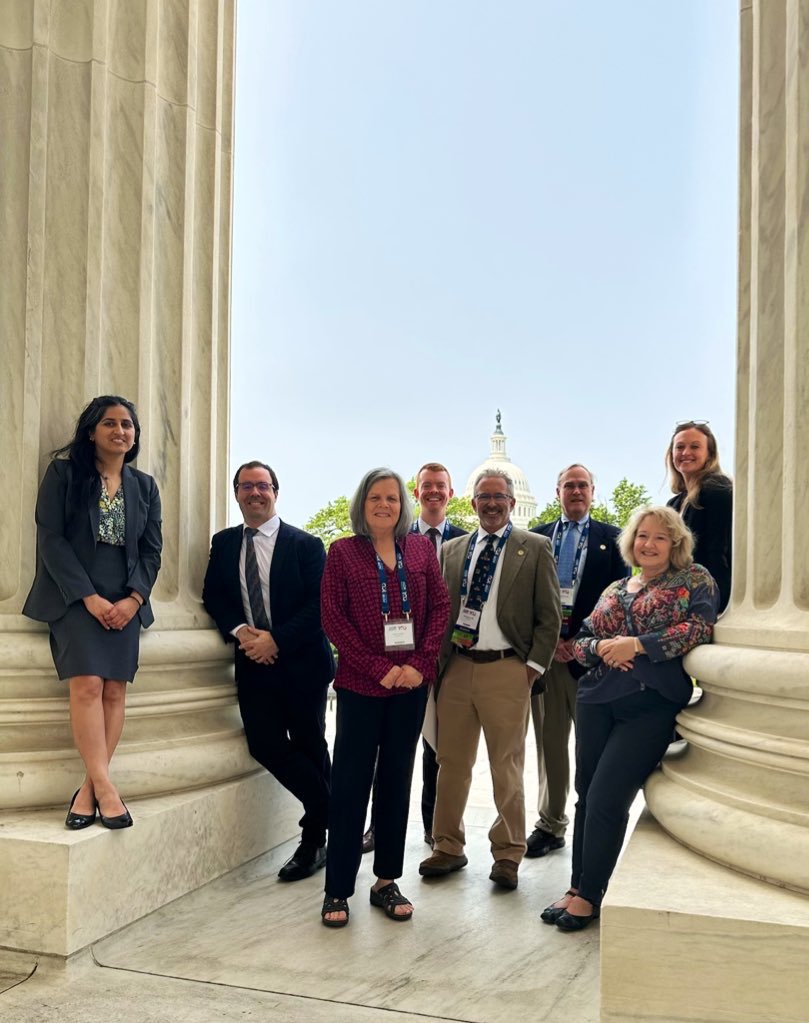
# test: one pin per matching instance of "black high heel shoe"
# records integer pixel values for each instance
(77, 821)
(123, 820)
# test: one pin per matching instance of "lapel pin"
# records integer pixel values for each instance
(520, 552)
(603, 547)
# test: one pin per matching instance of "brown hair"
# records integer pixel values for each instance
(711, 467)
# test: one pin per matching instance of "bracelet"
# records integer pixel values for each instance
(594, 647)
(140, 603)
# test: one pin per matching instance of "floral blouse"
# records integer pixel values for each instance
(671, 615)
(112, 517)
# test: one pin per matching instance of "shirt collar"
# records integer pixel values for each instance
(425, 526)
(482, 534)
(578, 522)
(270, 526)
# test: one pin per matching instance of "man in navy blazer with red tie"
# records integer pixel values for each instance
(597, 563)
(262, 588)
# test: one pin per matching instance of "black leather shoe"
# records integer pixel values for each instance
(305, 861)
(368, 842)
(568, 922)
(540, 843)
(77, 821)
(552, 913)
(123, 820)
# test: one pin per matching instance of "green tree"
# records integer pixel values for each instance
(331, 523)
(626, 497)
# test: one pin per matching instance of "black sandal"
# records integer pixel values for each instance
(333, 905)
(388, 898)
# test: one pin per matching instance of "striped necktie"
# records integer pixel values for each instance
(253, 580)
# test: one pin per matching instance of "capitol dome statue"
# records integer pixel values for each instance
(526, 507)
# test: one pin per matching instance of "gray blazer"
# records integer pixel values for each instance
(528, 606)
(67, 531)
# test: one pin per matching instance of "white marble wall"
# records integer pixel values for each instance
(115, 189)
(740, 795)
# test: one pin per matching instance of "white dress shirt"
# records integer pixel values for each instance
(424, 526)
(263, 545)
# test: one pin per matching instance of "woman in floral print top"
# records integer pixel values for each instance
(633, 643)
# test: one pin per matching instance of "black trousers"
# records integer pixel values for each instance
(371, 730)
(429, 774)
(618, 745)
(285, 726)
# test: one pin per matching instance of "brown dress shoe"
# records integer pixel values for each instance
(504, 874)
(441, 863)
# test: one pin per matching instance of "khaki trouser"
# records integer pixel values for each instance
(495, 697)
(553, 712)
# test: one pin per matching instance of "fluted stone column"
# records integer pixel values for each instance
(115, 190)
(740, 794)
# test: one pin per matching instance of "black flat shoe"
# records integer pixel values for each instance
(568, 922)
(552, 913)
(77, 821)
(123, 820)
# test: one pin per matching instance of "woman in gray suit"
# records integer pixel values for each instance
(98, 555)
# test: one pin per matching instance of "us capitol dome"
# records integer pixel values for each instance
(526, 507)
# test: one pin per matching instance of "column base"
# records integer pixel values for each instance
(684, 939)
(63, 890)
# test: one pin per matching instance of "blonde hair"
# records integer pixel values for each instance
(682, 539)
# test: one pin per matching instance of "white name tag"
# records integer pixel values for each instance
(469, 618)
(566, 593)
(399, 634)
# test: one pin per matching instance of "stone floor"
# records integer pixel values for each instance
(247, 947)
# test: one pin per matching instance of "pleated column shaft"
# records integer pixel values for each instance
(115, 229)
(740, 794)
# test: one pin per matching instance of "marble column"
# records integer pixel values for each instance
(115, 196)
(115, 199)
(740, 794)
(710, 895)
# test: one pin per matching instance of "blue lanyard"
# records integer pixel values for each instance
(445, 536)
(557, 546)
(467, 564)
(383, 583)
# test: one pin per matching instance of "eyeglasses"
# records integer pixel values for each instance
(500, 498)
(577, 485)
(248, 487)
(684, 425)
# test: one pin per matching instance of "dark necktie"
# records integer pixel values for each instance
(253, 580)
(433, 534)
(483, 567)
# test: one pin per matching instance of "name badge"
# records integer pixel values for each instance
(469, 618)
(566, 593)
(399, 634)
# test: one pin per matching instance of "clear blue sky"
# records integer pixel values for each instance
(445, 207)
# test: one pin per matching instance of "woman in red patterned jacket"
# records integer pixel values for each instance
(633, 644)
(385, 607)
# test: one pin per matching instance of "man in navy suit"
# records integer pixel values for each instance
(262, 588)
(587, 563)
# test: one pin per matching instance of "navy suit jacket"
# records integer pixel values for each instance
(304, 654)
(67, 532)
(602, 566)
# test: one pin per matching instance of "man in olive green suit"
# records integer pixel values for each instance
(504, 626)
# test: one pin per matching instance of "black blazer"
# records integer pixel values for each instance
(712, 526)
(305, 657)
(602, 566)
(67, 532)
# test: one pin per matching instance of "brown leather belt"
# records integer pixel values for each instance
(485, 656)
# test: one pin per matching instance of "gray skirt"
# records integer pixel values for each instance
(80, 645)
